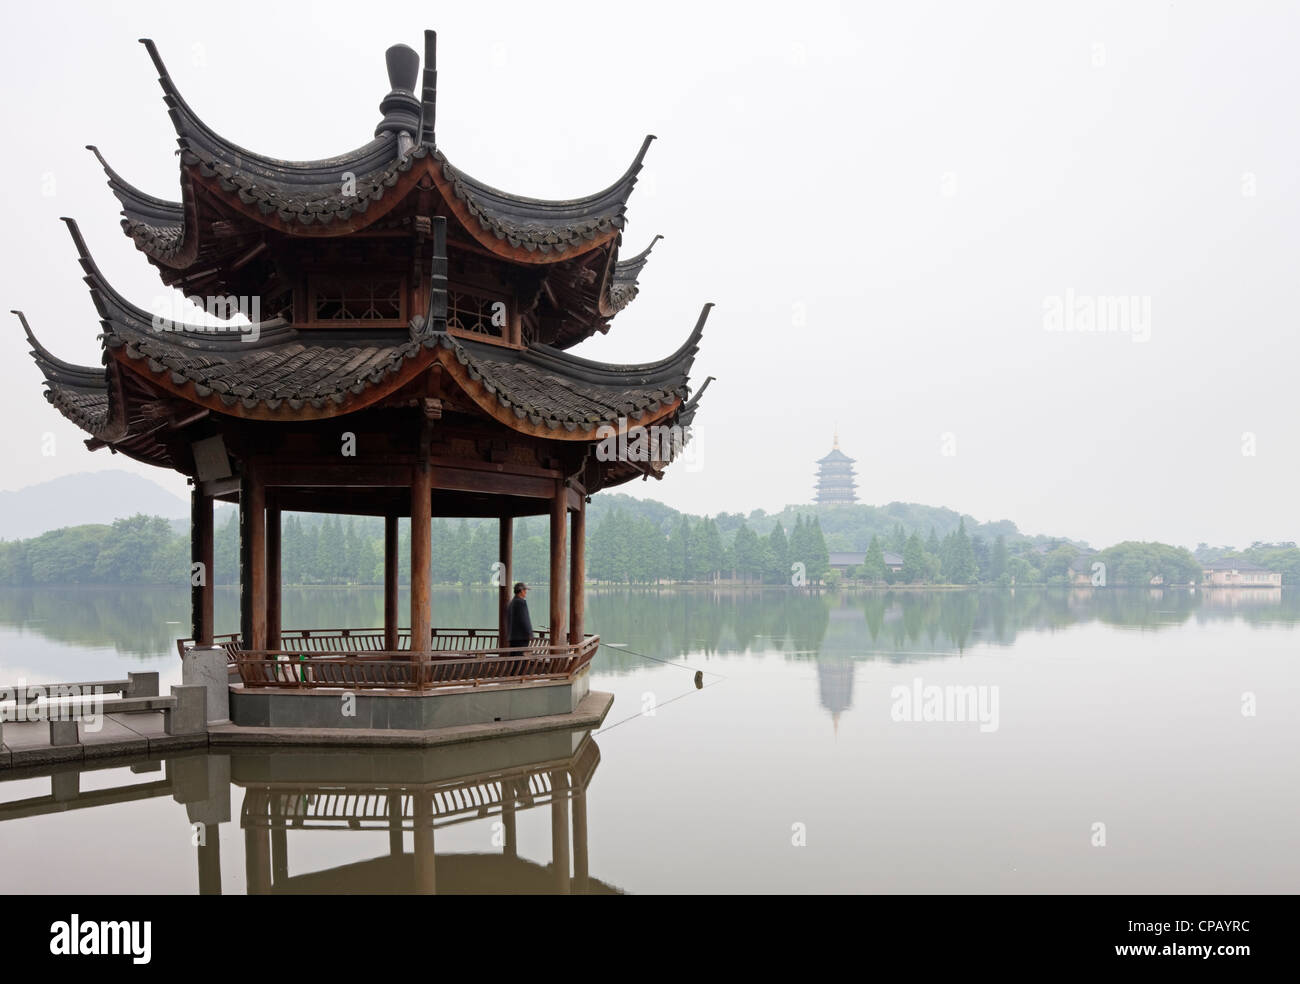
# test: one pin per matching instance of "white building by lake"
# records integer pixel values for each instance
(1238, 573)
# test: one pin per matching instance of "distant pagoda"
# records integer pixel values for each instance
(835, 482)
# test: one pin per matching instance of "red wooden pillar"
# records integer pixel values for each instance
(577, 568)
(252, 560)
(390, 583)
(272, 572)
(201, 579)
(505, 552)
(559, 504)
(421, 558)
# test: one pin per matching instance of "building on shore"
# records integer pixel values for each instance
(847, 561)
(1238, 573)
(1081, 571)
(835, 480)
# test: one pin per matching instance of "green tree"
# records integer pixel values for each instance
(999, 558)
(897, 541)
(915, 568)
(873, 567)
(749, 554)
(819, 563)
(681, 564)
(778, 556)
(329, 551)
(962, 568)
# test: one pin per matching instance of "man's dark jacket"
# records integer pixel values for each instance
(519, 627)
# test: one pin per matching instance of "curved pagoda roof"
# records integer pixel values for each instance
(231, 198)
(159, 378)
(836, 457)
(272, 371)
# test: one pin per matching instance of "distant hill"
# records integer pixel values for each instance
(86, 497)
(845, 527)
(101, 497)
(851, 527)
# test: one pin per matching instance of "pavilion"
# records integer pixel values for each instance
(403, 351)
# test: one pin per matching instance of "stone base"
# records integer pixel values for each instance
(378, 710)
(590, 713)
(33, 758)
(408, 765)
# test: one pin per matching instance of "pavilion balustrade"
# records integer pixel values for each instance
(373, 640)
(324, 658)
(477, 661)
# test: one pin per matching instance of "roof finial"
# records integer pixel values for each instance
(400, 107)
(429, 94)
(434, 320)
(837, 437)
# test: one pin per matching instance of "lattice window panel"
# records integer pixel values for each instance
(358, 300)
(471, 314)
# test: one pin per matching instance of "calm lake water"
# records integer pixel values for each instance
(927, 741)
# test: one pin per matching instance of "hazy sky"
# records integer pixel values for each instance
(888, 204)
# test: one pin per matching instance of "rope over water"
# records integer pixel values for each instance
(698, 680)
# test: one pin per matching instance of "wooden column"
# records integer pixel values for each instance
(210, 862)
(272, 572)
(390, 583)
(581, 875)
(559, 504)
(201, 552)
(560, 831)
(505, 552)
(426, 864)
(279, 849)
(395, 821)
(577, 568)
(252, 560)
(510, 847)
(257, 845)
(421, 558)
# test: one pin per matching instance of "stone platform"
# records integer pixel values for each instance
(399, 710)
(215, 708)
(116, 735)
(589, 713)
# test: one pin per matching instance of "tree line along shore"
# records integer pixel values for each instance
(635, 541)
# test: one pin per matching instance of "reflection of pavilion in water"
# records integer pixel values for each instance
(411, 793)
(412, 797)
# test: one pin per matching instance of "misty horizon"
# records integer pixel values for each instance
(930, 228)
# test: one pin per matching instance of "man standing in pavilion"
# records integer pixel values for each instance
(519, 625)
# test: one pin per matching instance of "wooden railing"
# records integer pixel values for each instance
(369, 641)
(229, 642)
(358, 667)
